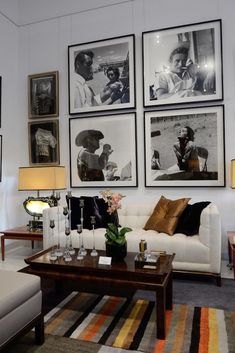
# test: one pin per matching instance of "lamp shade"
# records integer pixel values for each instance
(232, 180)
(42, 178)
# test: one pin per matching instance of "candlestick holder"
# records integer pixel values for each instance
(93, 252)
(81, 204)
(79, 231)
(59, 251)
(53, 255)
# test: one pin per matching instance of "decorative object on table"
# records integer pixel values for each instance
(93, 252)
(115, 141)
(116, 244)
(67, 255)
(80, 250)
(53, 255)
(195, 153)
(113, 201)
(81, 205)
(43, 95)
(67, 224)
(44, 147)
(40, 178)
(199, 47)
(109, 67)
(146, 260)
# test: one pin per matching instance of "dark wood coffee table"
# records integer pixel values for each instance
(118, 275)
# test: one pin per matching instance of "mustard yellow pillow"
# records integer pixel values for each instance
(166, 214)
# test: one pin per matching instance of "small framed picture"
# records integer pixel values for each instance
(103, 151)
(183, 64)
(185, 147)
(44, 142)
(0, 157)
(43, 95)
(102, 75)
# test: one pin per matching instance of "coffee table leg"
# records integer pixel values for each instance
(3, 247)
(161, 312)
(169, 291)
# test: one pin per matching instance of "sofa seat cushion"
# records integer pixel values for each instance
(16, 288)
(186, 249)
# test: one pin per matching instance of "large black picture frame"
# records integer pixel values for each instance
(171, 160)
(89, 165)
(96, 92)
(199, 79)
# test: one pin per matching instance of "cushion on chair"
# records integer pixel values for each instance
(93, 206)
(166, 214)
(15, 289)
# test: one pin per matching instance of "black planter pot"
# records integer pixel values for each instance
(117, 252)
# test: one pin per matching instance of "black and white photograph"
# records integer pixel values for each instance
(102, 75)
(183, 64)
(103, 151)
(185, 147)
(43, 95)
(44, 146)
(0, 157)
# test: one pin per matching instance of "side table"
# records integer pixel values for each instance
(231, 249)
(19, 233)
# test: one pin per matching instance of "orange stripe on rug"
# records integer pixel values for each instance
(160, 345)
(204, 331)
(99, 319)
(130, 326)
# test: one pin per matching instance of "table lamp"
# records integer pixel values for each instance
(232, 174)
(40, 178)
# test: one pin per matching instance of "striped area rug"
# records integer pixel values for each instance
(128, 324)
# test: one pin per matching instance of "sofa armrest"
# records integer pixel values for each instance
(210, 234)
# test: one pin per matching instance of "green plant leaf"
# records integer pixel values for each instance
(124, 230)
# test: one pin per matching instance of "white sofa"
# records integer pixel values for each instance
(200, 253)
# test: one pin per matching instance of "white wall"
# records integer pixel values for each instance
(43, 47)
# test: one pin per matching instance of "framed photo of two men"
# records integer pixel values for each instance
(102, 75)
(183, 64)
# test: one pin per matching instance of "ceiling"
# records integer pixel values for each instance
(23, 12)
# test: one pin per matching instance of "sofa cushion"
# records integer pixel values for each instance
(93, 206)
(166, 214)
(189, 221)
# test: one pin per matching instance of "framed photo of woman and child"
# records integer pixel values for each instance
(185, 147)
(183, 64)
(103, 151)
(102, 75)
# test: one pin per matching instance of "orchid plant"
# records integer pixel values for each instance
(113, 234)
(113, 200)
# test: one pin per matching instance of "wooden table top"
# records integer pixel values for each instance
(89, 265)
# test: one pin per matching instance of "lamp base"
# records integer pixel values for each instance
(35, 225)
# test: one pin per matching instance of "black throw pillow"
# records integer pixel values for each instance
(93, 206)
(189, 221)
